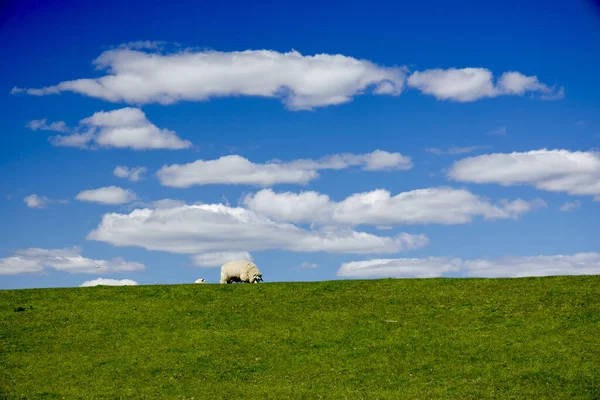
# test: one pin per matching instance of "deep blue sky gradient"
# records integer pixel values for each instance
(44, 43)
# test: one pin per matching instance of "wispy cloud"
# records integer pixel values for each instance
(134, 174)
(455, 150)
(577, 264)
(501, 131)
(42, 125)
(570, 206)
(308, 265)
(67, 260)
(35, 201)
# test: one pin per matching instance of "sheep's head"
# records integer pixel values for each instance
(257, 278)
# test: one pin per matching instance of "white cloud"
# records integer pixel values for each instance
(133, 174)
(309, 265)
(454, 150)
(219, 258)
(470, 84)
(144, 72)
(400, 268)
(35, 201)
(517, 83)
(41, 124)
(570, 206)
(202, 228)
(66, 260)
(578, 264)
(441, 205)
(79, 140)
(301, 82)
(576, 173)
(109, 282)
(234, 169)
(107, 195)
(123, 128)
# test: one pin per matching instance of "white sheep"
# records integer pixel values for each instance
(201, 280)
(240, 271)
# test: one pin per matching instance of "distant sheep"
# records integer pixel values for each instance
(240, 271)
(201, 280)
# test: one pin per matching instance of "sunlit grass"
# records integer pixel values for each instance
(533, 338)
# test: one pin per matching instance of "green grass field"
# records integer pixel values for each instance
(534, 338)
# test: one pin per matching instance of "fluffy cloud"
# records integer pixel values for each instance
(124, 128)
(235, 169)
(219, 258)
(440, 205)
(42, 125)
(454, 150)
(301, 82)
(66, 260)
(144, 72)
(107, 195)
(205, 228)
(570, 206)
(133, 174)
(35, 201)
(470, 84)
(576, 173)
(578, 264)
(109, 282)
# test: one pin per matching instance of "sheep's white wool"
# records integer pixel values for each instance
(201, 280)
(240, 271)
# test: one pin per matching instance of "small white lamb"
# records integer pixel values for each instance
(240, 271)
(201, 280)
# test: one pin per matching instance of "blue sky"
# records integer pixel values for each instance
(341, 140)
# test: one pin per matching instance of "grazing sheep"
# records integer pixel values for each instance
(240, 271)
(201, 280)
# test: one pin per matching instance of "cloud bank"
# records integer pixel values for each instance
(143, 72)
(577, 264)
(301, 82)
(440, 205)
(210, 228)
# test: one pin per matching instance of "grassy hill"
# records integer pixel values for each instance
(535, 338)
